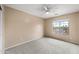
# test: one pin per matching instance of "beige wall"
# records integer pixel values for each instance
(74, 28)
(21, 27)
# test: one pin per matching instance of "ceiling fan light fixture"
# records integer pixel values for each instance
(46, 9)
(47, 13)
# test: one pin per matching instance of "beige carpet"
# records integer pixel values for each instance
(45, 46)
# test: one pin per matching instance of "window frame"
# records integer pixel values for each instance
(64, 27)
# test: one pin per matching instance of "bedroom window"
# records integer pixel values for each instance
(61, 26)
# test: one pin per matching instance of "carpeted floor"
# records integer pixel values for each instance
(45, 46)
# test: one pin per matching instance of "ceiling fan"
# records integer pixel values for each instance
(46, 8)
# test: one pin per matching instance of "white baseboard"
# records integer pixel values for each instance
(20, 44)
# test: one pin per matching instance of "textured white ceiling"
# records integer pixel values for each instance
(56, 9)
